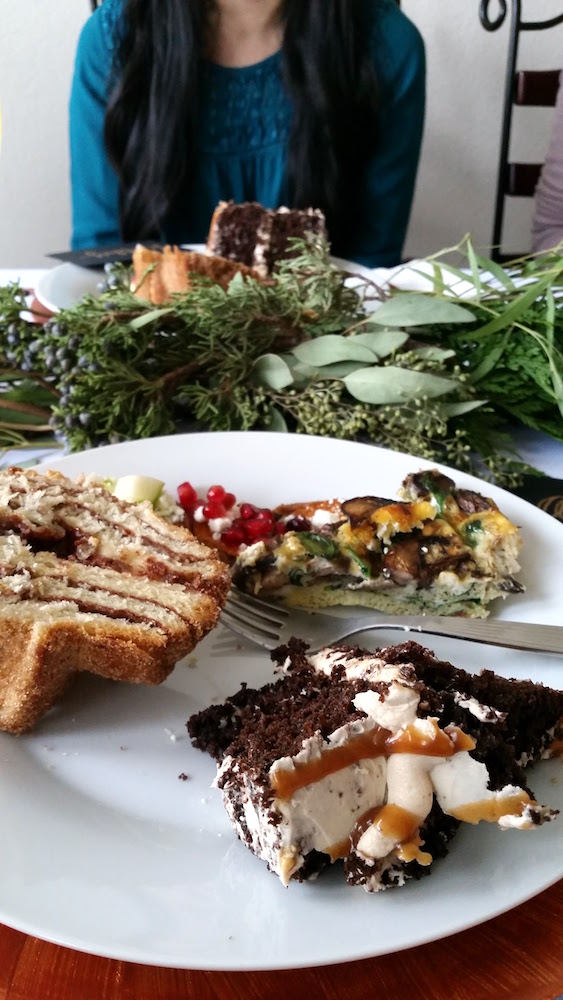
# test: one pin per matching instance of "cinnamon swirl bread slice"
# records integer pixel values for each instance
(92, 583)
(157, 275)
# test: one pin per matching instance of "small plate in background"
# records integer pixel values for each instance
(66, 285)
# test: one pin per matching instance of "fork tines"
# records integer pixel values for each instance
(267, 609)
(254, 619)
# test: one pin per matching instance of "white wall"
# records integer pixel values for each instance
(466, 66)
(37, 43)
(456, 185)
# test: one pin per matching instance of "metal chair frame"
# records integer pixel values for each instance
(511, 97)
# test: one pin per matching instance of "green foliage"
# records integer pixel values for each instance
(438, 374)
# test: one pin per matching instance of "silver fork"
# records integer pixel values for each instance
(270, 625)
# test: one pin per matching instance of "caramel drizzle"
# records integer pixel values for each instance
(377, 742)
(403, 827)
(493, 809)
(396, 824)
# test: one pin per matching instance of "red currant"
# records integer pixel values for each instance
(229, 500)
(279, 528)
(213, 509)
(216, 493)
(187, 495)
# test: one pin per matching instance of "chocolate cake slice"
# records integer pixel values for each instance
(375, 759)
(257, 236)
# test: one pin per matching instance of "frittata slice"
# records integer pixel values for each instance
(439, 550)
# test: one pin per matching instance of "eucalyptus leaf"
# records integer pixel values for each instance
(301, 372)
(372, 326)
(330, 348)
(382, 342)
(420, 309)
(272, 371)
(458, 409)
(340, 369)
(433, 353)
(396, 385)
(276, 421)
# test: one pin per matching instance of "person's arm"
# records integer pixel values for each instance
(390, 178)
(94, 184)
(547, 221)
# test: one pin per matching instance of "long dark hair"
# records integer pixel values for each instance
(330, 78)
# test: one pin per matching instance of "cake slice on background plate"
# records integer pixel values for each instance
(259, 237)
(375, 759)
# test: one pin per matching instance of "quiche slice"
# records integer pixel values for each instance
(437, 550)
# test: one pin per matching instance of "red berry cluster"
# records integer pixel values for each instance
(252, 523)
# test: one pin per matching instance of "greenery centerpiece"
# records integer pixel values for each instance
(440, 373)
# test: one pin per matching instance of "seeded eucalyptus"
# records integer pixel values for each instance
(433, 374)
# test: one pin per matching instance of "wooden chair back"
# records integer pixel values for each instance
(523, 88)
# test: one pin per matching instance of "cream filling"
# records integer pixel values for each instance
(321, 816)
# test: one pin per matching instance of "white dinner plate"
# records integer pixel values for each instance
(64, 286)
(105, 848)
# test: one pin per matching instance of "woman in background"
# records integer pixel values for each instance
(547, 222)
(178, 104)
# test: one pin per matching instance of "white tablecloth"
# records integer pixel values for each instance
(537, 449)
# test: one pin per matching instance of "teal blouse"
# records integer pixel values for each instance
(241, 150)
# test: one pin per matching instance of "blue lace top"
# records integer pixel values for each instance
(241, 150)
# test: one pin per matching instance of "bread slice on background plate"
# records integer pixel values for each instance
(157, 275)
(89, 582)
